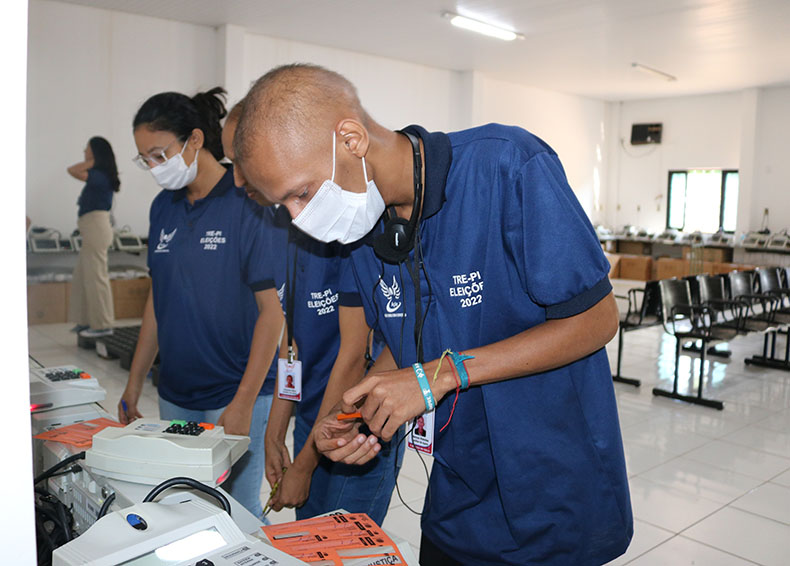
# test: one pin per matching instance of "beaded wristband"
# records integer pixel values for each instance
(422, 380)
(458, 362)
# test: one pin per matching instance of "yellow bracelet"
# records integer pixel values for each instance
(441, 359)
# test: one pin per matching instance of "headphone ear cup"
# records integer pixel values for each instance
(397, 234)
(395, 243)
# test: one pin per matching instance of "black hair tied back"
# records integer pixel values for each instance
(177, 113)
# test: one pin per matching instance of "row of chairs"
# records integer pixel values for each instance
(706, 310)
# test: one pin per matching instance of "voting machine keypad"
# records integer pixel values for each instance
(62, 374)
(189, 428)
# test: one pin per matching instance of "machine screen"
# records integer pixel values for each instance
(191, 546)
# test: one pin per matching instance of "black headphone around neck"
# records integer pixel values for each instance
(397, 241)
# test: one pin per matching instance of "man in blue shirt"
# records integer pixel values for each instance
(506, 272)
(307, 277)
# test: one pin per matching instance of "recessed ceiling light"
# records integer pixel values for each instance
(654, 72)
(482, 27)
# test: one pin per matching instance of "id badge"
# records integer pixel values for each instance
(419, 435)
(289, 379)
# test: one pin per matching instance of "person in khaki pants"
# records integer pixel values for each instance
(91, 305)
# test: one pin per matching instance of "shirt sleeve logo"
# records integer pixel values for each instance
(392, 294)
(164, 241)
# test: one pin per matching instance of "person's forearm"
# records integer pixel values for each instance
(550, 345)
(265, 337)
(279, 415)
(147, 347)
(79, 170)
(347, 371)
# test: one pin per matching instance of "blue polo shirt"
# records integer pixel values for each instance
(316, 285)
(96, 194)
(531, 469)
(207, 260)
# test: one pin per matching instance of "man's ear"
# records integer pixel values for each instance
(353, 136)
(238, 176)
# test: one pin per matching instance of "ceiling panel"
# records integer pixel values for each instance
(574, 46)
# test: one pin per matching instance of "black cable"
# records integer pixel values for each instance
(62, 464)
(421, 264)
(403, 318)
(53, 525)
(61, 510)
(427, 475)
(194, 484)
(106, 506)
(74, 469)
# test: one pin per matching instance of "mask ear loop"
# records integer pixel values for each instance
(334, 153)
(365, 171)
(181, 153)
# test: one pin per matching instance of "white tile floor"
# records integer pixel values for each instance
(707, 487)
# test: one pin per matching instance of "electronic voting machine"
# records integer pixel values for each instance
(62, 386)
(188, 533)
(150, 451)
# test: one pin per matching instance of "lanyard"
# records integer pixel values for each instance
(290, 295)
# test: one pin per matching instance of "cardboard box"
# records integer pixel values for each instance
(46, 302)
(631, 247)
(129, 296)
(667, 268)
(636, 267)
(614, 265)
(714, 255)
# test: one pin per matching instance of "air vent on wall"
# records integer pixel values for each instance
(645, 133)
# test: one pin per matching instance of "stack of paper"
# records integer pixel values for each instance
(337, 540)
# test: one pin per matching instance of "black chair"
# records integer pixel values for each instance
(761, 307)
(771, 284)
(644, 309)
(727, 313)
(707, 289)
(687, 321)
(768, 314)
(764, 315)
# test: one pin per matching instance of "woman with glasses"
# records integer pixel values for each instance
(213, 314)
(91, 305)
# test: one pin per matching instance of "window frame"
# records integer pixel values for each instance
(685, 172)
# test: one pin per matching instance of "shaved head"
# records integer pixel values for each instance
(229, 129)
(291, 103)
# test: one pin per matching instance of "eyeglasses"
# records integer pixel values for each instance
(146, 162)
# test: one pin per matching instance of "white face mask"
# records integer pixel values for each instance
(337, 215)
(174, 174)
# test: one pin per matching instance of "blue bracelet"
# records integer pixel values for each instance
(422, 380)
(458, 362)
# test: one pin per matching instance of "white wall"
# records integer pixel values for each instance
(394, 93)
(742, 130)
(699, 132)
(573, 126)
(17, 527)
(89, 70)
(772, 160)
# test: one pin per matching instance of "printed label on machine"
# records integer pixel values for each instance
(247, 556)
(289, 380)
(420, 434)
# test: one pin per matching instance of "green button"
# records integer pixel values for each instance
(182, 423)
